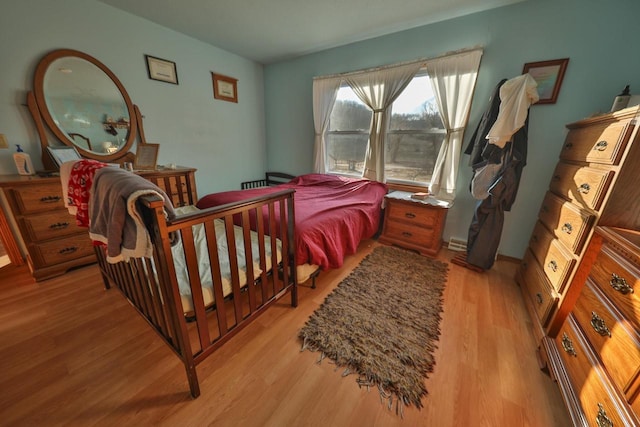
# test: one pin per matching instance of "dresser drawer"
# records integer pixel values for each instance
(175, 187)
(537, 286)
(38, 198)
(598, 398)
(569, 223)
(409, 233)
(50, 225)
(616, 344)
(619, 281)
(583, 185)
(414, 213)
(556, 261)
(68, 249)
(598, 143)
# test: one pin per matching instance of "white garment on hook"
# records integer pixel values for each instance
(516, 95)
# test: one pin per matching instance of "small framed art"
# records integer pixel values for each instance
(146, 156)
(161, 69)
(60, 155)
(548, 75)
(225, 88)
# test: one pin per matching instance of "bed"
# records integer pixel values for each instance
(206, 276)
(333, 215)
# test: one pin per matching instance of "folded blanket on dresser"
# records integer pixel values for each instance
(114, 216)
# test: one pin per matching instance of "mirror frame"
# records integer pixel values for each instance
(38, 89)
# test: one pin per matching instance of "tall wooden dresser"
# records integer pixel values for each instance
(596, 182)
(53, 241)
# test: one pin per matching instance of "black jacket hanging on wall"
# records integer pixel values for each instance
(488, 219)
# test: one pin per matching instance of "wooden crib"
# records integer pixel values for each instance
(152, 285)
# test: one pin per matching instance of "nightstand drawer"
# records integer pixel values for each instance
(408, 233)
(413, 213)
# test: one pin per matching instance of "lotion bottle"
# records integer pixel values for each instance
(621, 101)
(23, 162)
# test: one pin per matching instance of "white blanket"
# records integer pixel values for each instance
(204, 268)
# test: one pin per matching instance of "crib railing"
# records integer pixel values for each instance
(151, 286)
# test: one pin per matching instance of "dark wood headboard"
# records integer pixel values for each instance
(271, 178)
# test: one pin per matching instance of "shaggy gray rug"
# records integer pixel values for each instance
(382, 323)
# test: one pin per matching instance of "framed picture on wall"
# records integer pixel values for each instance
(146, 156)
(60, 155)
(225, 88)
(548, 75)
(161, 69)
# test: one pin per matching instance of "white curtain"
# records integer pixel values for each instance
(378, 90)
(453, 79)
(324, 96)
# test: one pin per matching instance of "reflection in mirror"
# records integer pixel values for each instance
(86, 105)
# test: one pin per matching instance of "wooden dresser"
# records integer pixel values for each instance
(414, 224)
(597, 173)
(594, 354)
(53, 241)
(588, 330)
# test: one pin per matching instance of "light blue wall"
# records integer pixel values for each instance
(225, 141)
(599, 37)
(230, 142)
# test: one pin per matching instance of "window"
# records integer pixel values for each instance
(413, 138)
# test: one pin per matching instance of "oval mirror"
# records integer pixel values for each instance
(85, 105)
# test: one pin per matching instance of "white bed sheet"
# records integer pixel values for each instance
(202, 252)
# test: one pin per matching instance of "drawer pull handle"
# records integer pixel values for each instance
(539, 298)
(545, 208)
(567, 228)
(59, 225)
(599, 325)
(406, 234)
(50, 199)
(601, 146)
(410, 215)
(567, 345)
(620, 284)
(584, 188)
(601, 419)
(568, 145)
(556, 177)
(553, 266)
(68, 250)
(534, 238)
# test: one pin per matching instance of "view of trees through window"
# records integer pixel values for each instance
(413, 138)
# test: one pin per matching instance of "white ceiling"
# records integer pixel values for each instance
(268, 31)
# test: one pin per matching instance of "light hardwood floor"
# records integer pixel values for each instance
(74, 354)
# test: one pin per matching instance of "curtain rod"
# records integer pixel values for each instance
(372, 69)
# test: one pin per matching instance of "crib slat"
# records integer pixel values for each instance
(233, 265)
(196, 287)
(248, 251)
(216, 276)
(263, 256)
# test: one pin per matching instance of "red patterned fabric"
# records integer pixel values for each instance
(79, 189)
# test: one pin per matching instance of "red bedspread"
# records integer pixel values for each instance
(333, 214)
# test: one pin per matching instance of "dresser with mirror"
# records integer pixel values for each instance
(81, 102)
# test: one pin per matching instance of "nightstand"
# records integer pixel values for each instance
(414, 224)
